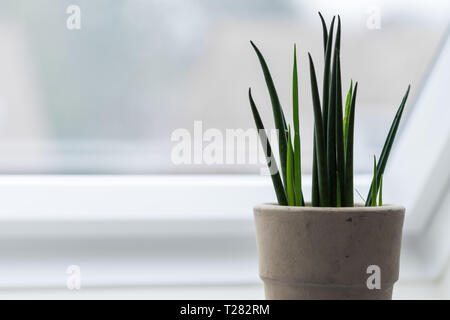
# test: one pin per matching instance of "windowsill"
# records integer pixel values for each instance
(143, 230)
(136, 198)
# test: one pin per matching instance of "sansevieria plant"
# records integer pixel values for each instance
(332, 172)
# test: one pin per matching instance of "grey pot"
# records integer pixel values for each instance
(329, 253)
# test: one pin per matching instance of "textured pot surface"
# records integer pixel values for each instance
(325, 253)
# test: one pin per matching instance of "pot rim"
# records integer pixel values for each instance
(359, 207)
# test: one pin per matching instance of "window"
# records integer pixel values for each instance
(106, 98)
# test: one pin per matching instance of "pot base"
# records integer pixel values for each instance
(280, 291)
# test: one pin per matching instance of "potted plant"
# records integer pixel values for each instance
(332, 247)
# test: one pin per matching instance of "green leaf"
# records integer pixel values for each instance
(315, 196)
(387, 146)
(374, 194)
(380, 193)
(325, 32)
(347, 112)
(327, 46)
(326, 78)
(349, 184)
(340, 150)
(289, 164)
(271, 163)
(331, 123)
(338, 192)
(319, 137)
(297, 151)
(331, 141)
(280, 122)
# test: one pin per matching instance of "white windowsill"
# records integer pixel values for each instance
(142, 231)
(122, 197)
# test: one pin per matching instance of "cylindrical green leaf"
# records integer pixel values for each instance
(271, 162)
(319, 136)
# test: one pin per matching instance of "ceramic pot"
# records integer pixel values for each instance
(329, 253)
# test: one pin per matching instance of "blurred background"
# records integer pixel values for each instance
(86, 118)
(105, 98)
